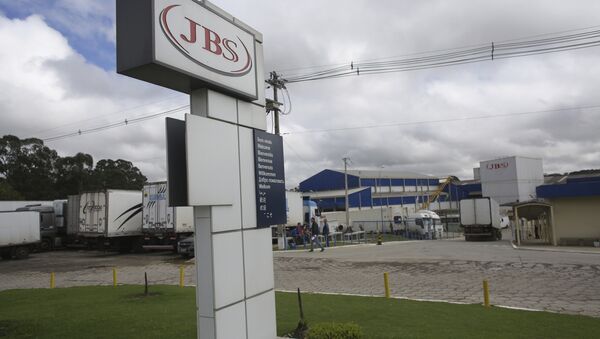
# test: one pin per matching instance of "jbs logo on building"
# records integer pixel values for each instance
(497, 165)
(208, 43)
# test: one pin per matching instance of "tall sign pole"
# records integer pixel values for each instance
(220, 160)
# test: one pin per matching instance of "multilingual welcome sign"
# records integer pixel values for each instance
(270, 180)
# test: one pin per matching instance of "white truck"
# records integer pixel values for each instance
(371, 220)
(12, 205)
(19, 233)
(164, 226)
(111, 218)
(49, 232)
(480, 218)
(424, 224)
(294, 208)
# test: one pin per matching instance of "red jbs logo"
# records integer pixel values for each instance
(497, 165)
(204, 45)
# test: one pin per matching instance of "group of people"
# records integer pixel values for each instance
(310, 233)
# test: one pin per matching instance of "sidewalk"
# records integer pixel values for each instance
(565, 249)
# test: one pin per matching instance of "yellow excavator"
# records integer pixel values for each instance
(438, 192)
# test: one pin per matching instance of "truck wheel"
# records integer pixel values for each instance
(45, 245)
(138, 245)
(498, 235)
(6, 255)
(124, 245)
(21, 252)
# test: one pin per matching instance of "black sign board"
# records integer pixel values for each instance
(176, 162)
(270, 179)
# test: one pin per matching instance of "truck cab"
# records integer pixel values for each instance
(425, 224)
(48, 227)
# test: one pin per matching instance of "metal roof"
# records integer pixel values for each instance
(385, 174)
(333, 193)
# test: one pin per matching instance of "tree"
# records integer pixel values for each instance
(7, 192)
(29, 170)
(28, 167)
(119, 174)
(74, 174)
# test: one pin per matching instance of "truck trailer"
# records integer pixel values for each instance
(50, 235)
(110, 219)
(164, 226)
(480, 219)
(19, 233)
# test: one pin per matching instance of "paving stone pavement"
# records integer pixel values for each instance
(564, 288)
(158, 274)
(432, 270)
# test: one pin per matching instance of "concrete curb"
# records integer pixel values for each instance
(557, 249)
(344, 246)
(429, 300)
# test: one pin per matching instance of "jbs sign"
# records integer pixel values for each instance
(185, 46)
(497, 165)
(205, 45)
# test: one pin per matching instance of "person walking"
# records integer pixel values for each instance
(326, 231)
(314, 237)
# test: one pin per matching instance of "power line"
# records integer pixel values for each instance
(458, 56)
(125, 122)
(168, 98)
(424, 122)
(433, 51)
(299, 157)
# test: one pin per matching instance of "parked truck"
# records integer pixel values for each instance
(19, 233)
(425, 224)
(480, 219)
(50, 235)
(110, 219)
(164, 226)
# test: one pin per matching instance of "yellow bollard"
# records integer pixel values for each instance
(52, 281)
(114, 277)
(181, 276)
(486, 294)
(386, 284)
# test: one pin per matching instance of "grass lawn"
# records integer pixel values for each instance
(122, 312)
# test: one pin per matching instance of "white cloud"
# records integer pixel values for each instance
(45, 83)
(48, 89)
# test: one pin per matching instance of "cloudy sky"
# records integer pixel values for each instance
(57, 76)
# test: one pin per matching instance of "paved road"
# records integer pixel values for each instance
(449, 270)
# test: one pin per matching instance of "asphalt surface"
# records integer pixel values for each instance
(449, 270)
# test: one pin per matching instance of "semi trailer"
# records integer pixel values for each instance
(50, 233)
(19, 233)
(110, 219)
(164, 226)
(480, 219)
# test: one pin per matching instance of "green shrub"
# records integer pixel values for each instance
(334, 331)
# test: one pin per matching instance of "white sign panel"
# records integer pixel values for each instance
(193, 39)
(185, 45)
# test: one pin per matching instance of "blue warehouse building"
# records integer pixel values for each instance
(374, 188)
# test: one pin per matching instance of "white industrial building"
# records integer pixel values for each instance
(511, 179)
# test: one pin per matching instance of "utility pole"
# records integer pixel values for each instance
(276, 82)
(346, 188)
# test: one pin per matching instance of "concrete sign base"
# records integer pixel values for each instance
(235, 296)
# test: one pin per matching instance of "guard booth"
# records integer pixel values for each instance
(532, 222)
